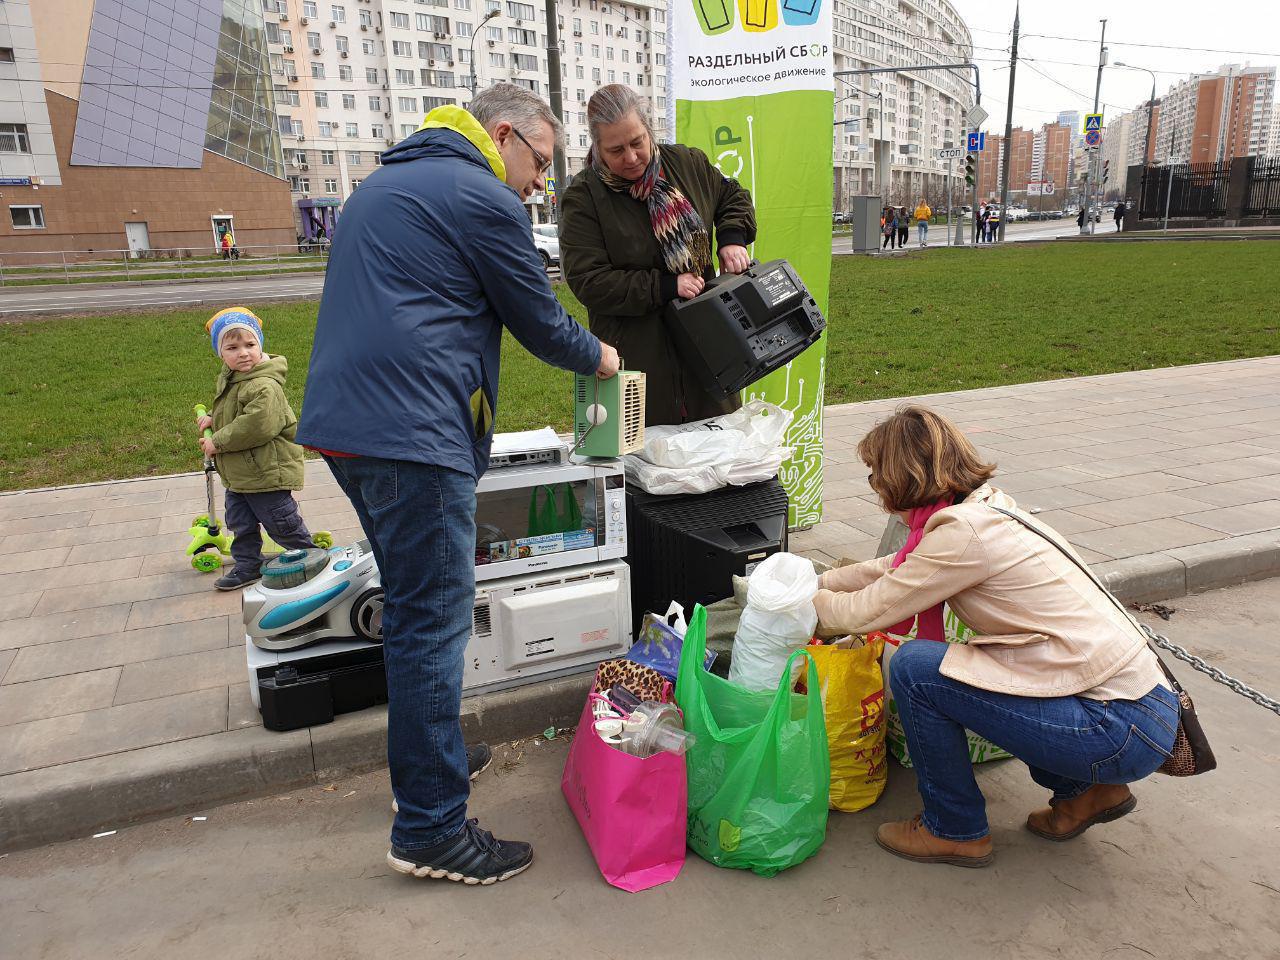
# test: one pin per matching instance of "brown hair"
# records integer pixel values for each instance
(918, 457)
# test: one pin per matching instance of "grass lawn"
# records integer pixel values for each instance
(92, 398)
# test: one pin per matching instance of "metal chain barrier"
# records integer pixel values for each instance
(1164, 643)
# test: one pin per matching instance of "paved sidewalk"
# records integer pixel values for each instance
(123, 689)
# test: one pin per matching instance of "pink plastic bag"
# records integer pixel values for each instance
(633, 811)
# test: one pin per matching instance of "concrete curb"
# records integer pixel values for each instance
(81, 798)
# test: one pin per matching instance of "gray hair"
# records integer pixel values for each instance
(521, 108)
(612, 103)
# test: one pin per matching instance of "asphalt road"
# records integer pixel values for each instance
(16, 301)
(1193, 873)
(53, 298)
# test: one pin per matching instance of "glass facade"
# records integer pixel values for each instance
(242, 122)
(165, 80)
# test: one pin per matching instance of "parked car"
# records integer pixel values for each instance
(546, 237)
(839, 217)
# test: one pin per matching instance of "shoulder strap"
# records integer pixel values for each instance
(1084, 568)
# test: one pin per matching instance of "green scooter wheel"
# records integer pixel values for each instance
(322, 539)
(201, 521)
(209, 562)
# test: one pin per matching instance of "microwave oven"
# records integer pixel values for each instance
(547, 516)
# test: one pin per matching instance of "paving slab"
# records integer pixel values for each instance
(119, 663)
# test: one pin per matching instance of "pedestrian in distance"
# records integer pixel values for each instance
(1121, 210)
(922, 215)
(1080, 218)
(1063, 678)
(888, 227)
(993, 223)
(400, 401)
(904, 227)
(983, 215)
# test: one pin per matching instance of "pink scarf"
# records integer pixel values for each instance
(928, 622)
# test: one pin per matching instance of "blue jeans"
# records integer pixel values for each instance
(421, 522)
(1070, 743)
(923, 228)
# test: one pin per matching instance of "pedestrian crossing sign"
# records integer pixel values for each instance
(1092, 121)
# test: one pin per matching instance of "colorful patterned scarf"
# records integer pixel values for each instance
(683, 237)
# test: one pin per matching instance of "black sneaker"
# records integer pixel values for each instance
(479, 756)
(471, 856)
(236, 579)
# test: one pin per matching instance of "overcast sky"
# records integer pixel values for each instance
(1251, 27)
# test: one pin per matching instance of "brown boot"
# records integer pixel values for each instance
(1064, 819)
(911, 840)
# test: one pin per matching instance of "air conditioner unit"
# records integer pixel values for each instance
(316, 51)
(387, 114)
(431, 63)
(491, 42)
(345, 54)
(305, 166)
(390, 142)
(333, 25)
(304, 20)
(284, 18)
(451, 63)
(293, 78)
(302, 138)
(386, 86)
(377, 29)
(577, 33)
(441, 36)
(519, 23)
(364, 27)
(288, 49)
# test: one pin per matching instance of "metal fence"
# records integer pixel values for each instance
(183, 263)
(1263, 199)
(1195, 190)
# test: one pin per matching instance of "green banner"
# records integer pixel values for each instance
(776, 140)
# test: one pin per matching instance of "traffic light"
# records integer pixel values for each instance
(1106, 170)
(970, 168)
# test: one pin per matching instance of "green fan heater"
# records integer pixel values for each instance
(608, 416)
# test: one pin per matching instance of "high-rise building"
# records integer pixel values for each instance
(1117, 145)
(1216, 117)
(892, 123)
(1021, 162)
(357, 76)
(1273, 143)
(136, 126)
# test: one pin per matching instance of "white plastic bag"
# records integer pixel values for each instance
(779, 617)
(737, 448)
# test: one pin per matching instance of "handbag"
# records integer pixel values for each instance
(1191, 751)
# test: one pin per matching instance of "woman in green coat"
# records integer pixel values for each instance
(636, 233)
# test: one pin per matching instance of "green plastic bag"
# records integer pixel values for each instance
(759, 774)
(556, 512)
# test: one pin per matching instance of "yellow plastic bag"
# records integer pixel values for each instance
(853, 705)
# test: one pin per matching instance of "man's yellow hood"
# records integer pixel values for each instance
(460, 121)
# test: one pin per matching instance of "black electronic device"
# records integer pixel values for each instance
(744, 326)
(687, 547)
(311, 690)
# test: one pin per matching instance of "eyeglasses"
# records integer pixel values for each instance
(543, 163)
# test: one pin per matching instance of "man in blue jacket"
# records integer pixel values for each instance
(433, 257)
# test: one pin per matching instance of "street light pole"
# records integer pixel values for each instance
(1151, 113)
(475, 33)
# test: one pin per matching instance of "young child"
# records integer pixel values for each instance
(252, 444)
